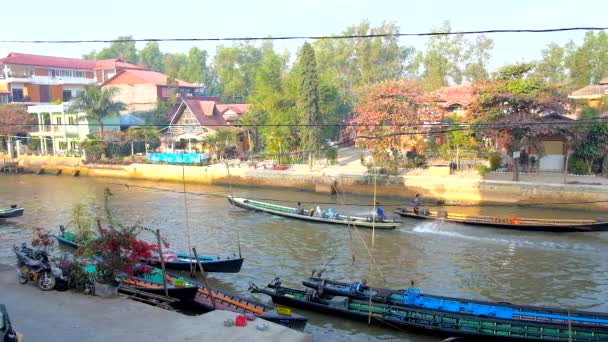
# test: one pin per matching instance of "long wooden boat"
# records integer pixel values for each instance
(290, 212)
(227, 301)
(11, 212)
(414, 297)
(182, 293)
(431, 320)
(210, 263)
(509, 222)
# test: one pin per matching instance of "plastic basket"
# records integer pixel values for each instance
(283, 310)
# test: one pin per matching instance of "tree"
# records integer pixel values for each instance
(175, 63)
(513, 104)
(388, 114)
(309, 101)
(14, 120)
(196, 69)
(93, 147)
(123, 48)
(236, 69)
(453, 59)
(97, 103)
(589, 62)
(552, 66)
(152, 57)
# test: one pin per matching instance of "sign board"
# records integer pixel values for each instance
(516, 154)
(177, 158)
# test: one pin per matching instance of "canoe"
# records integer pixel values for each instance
(430, 320)
(11, 212)
(510, 222)
(414, 297)
(234, 303)
(210, 263)
(181, 293)
(66, 240)
(290, 212)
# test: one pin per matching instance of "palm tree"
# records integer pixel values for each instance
(97, 103)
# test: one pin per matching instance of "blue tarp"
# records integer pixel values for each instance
(177, 158)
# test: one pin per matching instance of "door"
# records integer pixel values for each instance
(45, 93)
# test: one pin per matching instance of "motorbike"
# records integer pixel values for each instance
(34, 265)
(7, 333)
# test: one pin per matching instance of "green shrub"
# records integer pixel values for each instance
(577, 166)
(483, 170)
(332, 155)
(495, 159)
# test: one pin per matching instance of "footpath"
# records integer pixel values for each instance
(67, 317)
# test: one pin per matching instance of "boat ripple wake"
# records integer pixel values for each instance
(437, 229)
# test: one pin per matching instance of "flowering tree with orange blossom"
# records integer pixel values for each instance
(389, 115)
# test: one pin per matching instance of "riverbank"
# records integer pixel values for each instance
(66, 316)
(435, 184)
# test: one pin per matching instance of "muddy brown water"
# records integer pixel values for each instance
(566, 270)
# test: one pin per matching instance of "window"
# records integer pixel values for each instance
(67, 95)
(59, 73)
(63, 145)
(17, 95)
(70, 120)
(73, 145)
(58, 120)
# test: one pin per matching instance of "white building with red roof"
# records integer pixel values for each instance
(41, 79)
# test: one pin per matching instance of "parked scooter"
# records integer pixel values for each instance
(7, 333)
(34, 265)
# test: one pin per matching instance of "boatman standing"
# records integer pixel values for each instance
(379, 212)
(415, 202)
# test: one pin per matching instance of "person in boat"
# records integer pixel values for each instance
(359, 287)
(299, 209)
(318, 212)
(330, 214)
(380, 212)
(415, 202)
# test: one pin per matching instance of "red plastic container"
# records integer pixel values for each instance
(241, 321)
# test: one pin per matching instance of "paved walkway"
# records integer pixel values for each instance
(67, 316)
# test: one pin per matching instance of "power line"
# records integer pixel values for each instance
(371, 35)
(419, 124)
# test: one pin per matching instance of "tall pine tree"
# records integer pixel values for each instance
(309, 101)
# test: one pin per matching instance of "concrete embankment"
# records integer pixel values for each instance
(67, 316)
(437, 185)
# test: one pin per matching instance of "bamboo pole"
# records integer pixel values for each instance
(204, 276)
(162, 262)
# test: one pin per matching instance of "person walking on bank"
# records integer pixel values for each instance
(415, 203)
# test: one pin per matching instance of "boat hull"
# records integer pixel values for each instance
(598, 226)
(11, 212)
(62, 241)
(440, 323)
(215, 266)
(239, 202)
(396, 297)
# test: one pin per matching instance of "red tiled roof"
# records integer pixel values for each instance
(132, 76)
(591, 90)
(206, 113)
(238, 108)
(116, 63)
(48, 61)
(604, 80)
(463, 94)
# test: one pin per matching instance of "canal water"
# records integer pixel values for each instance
(566, 270)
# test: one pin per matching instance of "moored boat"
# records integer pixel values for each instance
(414, 297)
(432, 320)
(509, 222)
(210, 263)
(12, 211)
(290, 212)
(227, 301)
(180, 261)
(182, 293)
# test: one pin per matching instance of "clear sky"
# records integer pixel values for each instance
(107, 19)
